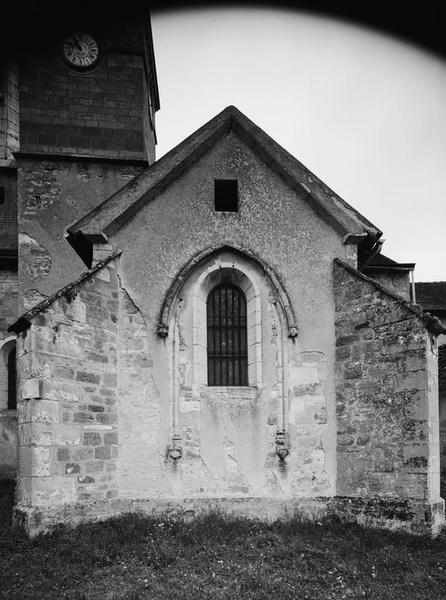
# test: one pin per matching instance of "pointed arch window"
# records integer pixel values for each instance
(227, 337)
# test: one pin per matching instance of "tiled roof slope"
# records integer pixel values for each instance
(384, 261)
(431, 295)
(109, 216)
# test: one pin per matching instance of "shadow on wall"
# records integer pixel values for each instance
(8, 411)
(6, 503)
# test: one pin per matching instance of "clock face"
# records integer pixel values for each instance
(81, 50)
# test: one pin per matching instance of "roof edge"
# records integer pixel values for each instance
(431, 322)
(24, 321)
(159, 175)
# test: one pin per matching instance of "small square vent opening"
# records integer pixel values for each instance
(226, 195)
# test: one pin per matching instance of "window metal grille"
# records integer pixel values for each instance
(227, 336)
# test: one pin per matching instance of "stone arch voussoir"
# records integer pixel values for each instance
(281, 294)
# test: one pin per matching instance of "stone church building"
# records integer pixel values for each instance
(215, 329)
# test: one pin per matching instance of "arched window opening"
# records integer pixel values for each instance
(12, 380)
(227, 337)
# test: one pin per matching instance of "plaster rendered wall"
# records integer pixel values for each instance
(52, 195)
(282, 230)
(227, 434)
(387, 399)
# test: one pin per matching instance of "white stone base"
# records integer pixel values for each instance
(414, 516)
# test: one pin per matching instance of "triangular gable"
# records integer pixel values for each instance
(110, 215)
(431, 322)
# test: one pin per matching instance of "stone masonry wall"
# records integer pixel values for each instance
(387, 409)
(8, 209)
(442, 411)
(8, 418)
(99, 112)
(67, 411)
(9, 111)
(8, 301)
(52, 195)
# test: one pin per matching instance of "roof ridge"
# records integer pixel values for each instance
(113, 212)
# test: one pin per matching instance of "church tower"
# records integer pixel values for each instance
(78, 98)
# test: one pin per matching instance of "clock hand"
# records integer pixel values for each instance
(77, 43)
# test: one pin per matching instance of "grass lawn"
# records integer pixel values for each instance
(134, 558)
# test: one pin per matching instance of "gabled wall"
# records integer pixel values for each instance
(100, 378)
(386, 397)
(67, 412)
(279, 226)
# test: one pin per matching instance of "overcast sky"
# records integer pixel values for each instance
(364, 111)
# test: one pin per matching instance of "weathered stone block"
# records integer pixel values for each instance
(342, 353)
(42, 434)
(23, 490)
(83, 453)
(62, 392)
(353, 371)
(94, 466)
(346, 340)
(64, 372)
(63, 454)
(85, 479)
(87, 377)
(106, 418)
(38, 411)
(34, 461)
(83, 417)
(71, 468)
(92, 438)
(102, 452)
(111, 438)
(51, 491)
(31, 388)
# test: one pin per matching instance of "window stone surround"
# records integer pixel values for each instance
(213, 275)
